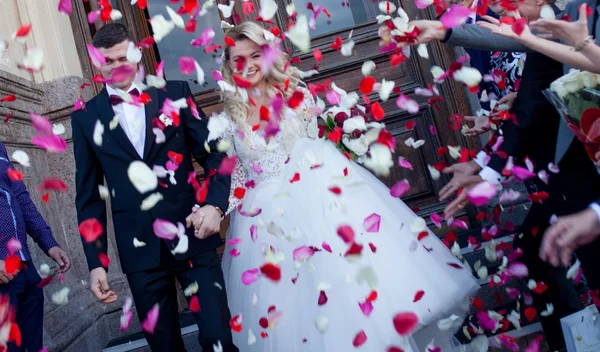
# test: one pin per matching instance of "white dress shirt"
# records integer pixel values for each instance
(132, 119)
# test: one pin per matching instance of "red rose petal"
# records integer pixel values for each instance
(194, 304)
(236, 323)
(271, 271)
(15, 175)
(419, 295)
(90, 229)
(346, 233)
(366, 85)
(295, 99)
(104, 260)
(296, 178)
(317, 55)
(322, 298)
(405, 323)
(12, 264)
(530, 313)
(377, 111)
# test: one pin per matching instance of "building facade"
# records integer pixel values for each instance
(84, 324)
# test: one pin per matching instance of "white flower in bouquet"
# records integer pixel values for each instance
(558, 87)
(354, 123)
(380, 160)
(589, 80)
(358, 146)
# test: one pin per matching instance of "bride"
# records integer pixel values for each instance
(319, 255)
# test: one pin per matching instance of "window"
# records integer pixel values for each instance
(344, 14)
(178, 43)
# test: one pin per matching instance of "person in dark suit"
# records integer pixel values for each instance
(140, 137)
(19, 217)
(535, 135)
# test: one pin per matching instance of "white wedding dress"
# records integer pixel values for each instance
(293, 178)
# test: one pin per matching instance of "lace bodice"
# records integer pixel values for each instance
(259, 160)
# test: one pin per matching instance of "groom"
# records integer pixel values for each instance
(105, 146)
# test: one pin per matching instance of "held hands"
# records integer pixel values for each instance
(4, 276)
(571, 33)
(61, 258)
(465, 177)
(567, 234)
(99, 286)
(206, 221)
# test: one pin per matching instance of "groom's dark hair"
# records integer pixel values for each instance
(110, 35)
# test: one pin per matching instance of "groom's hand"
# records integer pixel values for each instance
(429, 30)
(99, 286)
(206, 221)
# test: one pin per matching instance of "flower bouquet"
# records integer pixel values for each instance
(367, 143)
(577, 99)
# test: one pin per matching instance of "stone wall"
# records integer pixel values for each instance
(83, 324)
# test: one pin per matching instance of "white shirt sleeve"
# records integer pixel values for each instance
(596, 208)
(482, 159)
(487, 173)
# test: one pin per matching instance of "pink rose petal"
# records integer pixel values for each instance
(149, 323)
(522, 173)
(234, 252)
(164, 229)
(227, 165)
(485, 321)
(14, 245)
(302, 253)
(333, 97)
(459, 223)
(217, 75)
(126, 320)
(326, 247)
(52, 143)
(366, 307)
(249, 276)
(270, 54)
(455, 16)
(371, 223)
(407, 104)
(253, 232)
(42, 125)
(481, 193)
(359, 339)
(437, 219)
(96, 57)
(534, 346)
(252, 213)
(65, 6)
(93, 16)
(122, 73)
(234, 241)
(517, 269)
(399, 189)
(186, 65)
(79, 104)
(404, 163)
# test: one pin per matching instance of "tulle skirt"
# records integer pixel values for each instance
(332, 300)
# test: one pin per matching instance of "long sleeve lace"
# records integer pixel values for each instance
(238, 177)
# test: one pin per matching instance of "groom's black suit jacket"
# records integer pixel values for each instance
(111, 161)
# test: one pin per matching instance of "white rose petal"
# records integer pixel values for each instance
(103, 192)
(34, 59)
(159, 134)
(268, 9)
(201, 77)
(176, 18)
(226, 9)
(151, 201)
(422, 51)
(58, 129)
(251, 338)
(134, 54)
(436, 72)
(386, 89)
(549, 310)
(98, 132)
(226, 25)
(435, 174)
(137, 243)
(217, 125)
(115, 15)
(448, 323)
(156, 82)
(547, 12)
(61, 297)
(21, 157)
(419, 225)
(160, 27)
(368, 275)
(353, 123)
(182, 245)
(367, 67)
(322, 323)
(114, 123)
(573, 270)
(380, 160)
(192, 289)
(299, 35)
(44, 270)
(468, 75)
(359, 146)
(454, 151)
(387, 7)
(347, 48)
(142, 177)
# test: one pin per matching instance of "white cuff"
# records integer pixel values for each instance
(596, 208)
(482, 159)
(491, 175)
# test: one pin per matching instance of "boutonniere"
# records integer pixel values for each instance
(165, 119)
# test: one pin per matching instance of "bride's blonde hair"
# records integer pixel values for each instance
(235, 107)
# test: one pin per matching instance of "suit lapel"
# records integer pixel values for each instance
(107, 114)
(151, 112)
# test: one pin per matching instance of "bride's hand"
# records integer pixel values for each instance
(206, 221)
